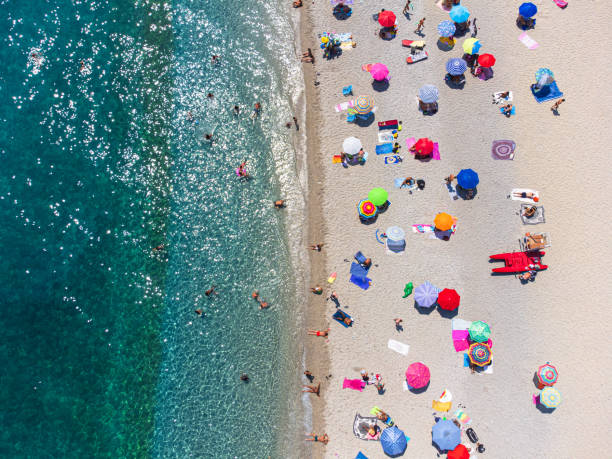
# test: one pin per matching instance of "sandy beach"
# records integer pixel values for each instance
(558, 318)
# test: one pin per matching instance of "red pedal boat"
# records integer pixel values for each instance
(520, 262)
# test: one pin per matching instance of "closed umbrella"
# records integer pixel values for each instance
(459, 14)
(547, 375)
(467, 179)
(486, 60)
(423, 147)
(446, 435)
(393, 441)
(446, 28)
(395, 233)
(417, 375)
(448, 299)
(366, 209)
(387, 19)
(379, 71)
(528, 10)
(428, 93)
(471, 46)
(351, 145)
(378, 196)
(550, 397)
(426, 295)
(456, 66)
(443, 221)
(363, 105)
(479, 331)
(480, 354)
(544, 76)
(460, 452)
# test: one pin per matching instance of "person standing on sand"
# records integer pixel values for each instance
(420, 26)
(406, 8)
(555, 107)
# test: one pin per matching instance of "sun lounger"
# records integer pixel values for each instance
(523, 190)
(416, 57)
(355, 384)
(362, 424)
(384, 149)
(398, 347)
(528, 41)
(548, 92)
(538, 217)
(497, 97)
(414, 44)
(537, 241)
(339, 317)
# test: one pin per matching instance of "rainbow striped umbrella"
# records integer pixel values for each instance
(480, 354)
(547, 375)
(550, 397)
(446, 28)
(363, 105)
(471, 46)
(366, 209)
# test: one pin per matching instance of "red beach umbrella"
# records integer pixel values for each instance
(423, 147)
(386, 19)
(417, 375)
(460, 452)
(448, 299)
(486, 60)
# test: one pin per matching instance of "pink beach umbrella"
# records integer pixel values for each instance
(379, 71)
(417, 375)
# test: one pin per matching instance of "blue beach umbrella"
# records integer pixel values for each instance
(428, 93)
(426, 295)
(528, 10)
(467, 179)
(446, 435)
(393, 441)
(459, 14)
(456, 66)
(446, 29)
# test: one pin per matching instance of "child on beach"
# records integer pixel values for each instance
(420, 26)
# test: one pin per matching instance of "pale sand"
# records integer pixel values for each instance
(560, 318)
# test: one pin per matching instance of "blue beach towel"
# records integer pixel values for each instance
(358, 271)
(339, 316)
(360, 257)
(512, 112)
(361, 282)
(393, 159)
(548, 92)
(466, 360)
(384, 148)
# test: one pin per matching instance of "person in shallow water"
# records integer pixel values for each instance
(244, 377)
(317, 438)
(280, 204)
(311, 389)
(210, 291)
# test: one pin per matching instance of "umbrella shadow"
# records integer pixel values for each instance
(423, 310)
(443, 235)
(420, 390)
(536, 382)
(380, 86)
(368, 221)
(453, 85)
(466, 194)
(448, 314)
(544, 409)
(443, 46)
(361, 122)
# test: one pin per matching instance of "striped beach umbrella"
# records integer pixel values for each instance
(486, 60)
(479, 331)
(363, 105)
(428, 93)
(426, 295)
(471, 46)
(528, 10)
(544, 76)
(467, 179)
(456, 66)
(547, 375)
(446, 28)
(480, 354)
(550, 397)
(459, 14)
(366, 209)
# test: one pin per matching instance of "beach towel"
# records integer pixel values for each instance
(466, 360)
(435, 155)
(346, 45)
(393, 159)
(460, 340)
(512, 110)
(355, 384)
(410, 143)
(384, 149)
(344, 106)
(336, 159)
(385, 136)
(538, 217)
(548, 92)
(462, 417)
(398, 347)
(452, 191)
(389, 124)
(503, 149)
(460, 324)
(413, 43)
(363, 283)
(560, 3)
(528, 41)
(523, 190)
(339, 316)
(441, 406)
(497, 98)
(358, 271)
(361, 426)
(341, 37)
(398, 184)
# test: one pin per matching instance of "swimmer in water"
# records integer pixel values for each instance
(236, 110)
(279, 204)
(256, 110)
(210, 291)
(159, 247)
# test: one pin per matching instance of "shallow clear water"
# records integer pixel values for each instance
(103, 354)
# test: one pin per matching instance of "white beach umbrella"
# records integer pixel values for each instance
(351, 145)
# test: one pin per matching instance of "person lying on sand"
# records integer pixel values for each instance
(311, 389)
(316, 247)
(507, 110)
(307, 56)
(407, 182)
(384, 417)
(525, 194)
(323, 333)
(318, 438)
(279, 204)
(316, 290)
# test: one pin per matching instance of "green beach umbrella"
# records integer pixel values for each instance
(378, 196)
(479, 332)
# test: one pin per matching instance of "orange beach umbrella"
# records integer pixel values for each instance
(443, 221)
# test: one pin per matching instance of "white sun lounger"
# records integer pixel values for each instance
(497, 99)
(398, 347)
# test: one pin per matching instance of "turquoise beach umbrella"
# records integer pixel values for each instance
(459, 14)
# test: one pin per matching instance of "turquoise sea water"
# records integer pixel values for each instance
(103, 355)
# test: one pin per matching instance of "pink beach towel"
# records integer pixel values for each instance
(355, 384)
(410, 143)
(436, 152)
(460, 340)
(528, 41)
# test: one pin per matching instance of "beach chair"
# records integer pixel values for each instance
(535, 241)
(360, 257)
(347, 90)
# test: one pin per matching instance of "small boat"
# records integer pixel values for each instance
(519, 262)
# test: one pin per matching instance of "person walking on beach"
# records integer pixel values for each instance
(420, 26)
(406, 9)
(311, 389)
(309, 375)
(334, 298)
(555, 107)
(317, 438)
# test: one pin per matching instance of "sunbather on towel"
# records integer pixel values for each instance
(344, 318)
(507, 110)
(384, 417)
(407, 182)
(530, 211)
(525, 194)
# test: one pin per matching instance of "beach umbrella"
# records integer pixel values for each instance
(486, 60)
(423, 147)
(378, 196)
(547, 375)
(448, 299)
(467, 179)
(395, 233)
(528, 10)
(428, 93)
(544, 76)
(460, 452)
(471, 46)
(363, 105)
(459, 14)
(443, 221)
(387, 19)
(417, 375)
(480, 354)
(446, 28)
(456, 66)
(550, 397)
(426, 295)
(446, 435)
(367, 209)
(351, 145)
(479, 331)
(393, 441)
(379, 71)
